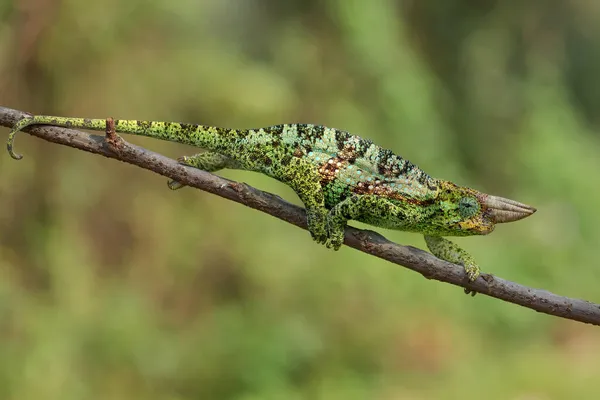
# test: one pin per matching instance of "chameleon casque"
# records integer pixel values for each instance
(337, 176)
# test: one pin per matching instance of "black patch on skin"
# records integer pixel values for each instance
(286, 160)
(406, 168)
(384, 156)
(422, 179)
(361, 147)
(318, 131)
(340, 138)
(68, 124)
(384, 167)
(144, 124)
(89, 121)
(275, 130)
(185, 127)
(241, 133)
(116, 121)
(226, 133)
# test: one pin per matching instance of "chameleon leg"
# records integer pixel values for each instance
(304, 179)
(355, 207)
(207, 161)
(448, 251)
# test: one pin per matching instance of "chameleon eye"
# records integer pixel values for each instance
(468, 207)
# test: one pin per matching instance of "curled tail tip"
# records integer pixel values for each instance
(11, 152)
(22, 123)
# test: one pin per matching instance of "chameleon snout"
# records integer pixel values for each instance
(501, 210)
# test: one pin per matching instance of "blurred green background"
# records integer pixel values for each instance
(114, 287)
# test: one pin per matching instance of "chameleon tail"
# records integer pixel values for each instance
(207, 137)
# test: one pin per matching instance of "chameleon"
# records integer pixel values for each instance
(338, 177)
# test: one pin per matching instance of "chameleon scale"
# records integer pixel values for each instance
(337, 176)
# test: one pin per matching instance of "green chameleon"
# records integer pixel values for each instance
(337, 176)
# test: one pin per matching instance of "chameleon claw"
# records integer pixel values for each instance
(335, 241)
(174, 185)
(330, 244)
(320, 238)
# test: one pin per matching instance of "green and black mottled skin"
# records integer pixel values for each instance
(338, 176)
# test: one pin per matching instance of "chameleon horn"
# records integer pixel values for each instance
(505, 210)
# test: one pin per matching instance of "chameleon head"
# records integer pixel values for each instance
(463, 211)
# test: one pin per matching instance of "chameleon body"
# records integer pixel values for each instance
(337, 176)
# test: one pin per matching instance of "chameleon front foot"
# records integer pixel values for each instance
(448, 251)
(315, 220)
(322, 232)
(472, 271)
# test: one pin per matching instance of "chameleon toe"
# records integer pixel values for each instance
(472, 271)
(174, 185)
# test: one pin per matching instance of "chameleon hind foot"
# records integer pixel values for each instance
(448, 251)
(335, 240)
(352, 208)
(208, 161)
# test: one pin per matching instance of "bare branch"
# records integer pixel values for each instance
(366, 241)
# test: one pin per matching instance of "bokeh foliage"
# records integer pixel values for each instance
(112, 286)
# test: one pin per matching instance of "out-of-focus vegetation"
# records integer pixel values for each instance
(114, 287)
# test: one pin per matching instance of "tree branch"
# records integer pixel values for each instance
(366, 241)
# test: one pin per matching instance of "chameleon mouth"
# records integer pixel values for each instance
(503, 210)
